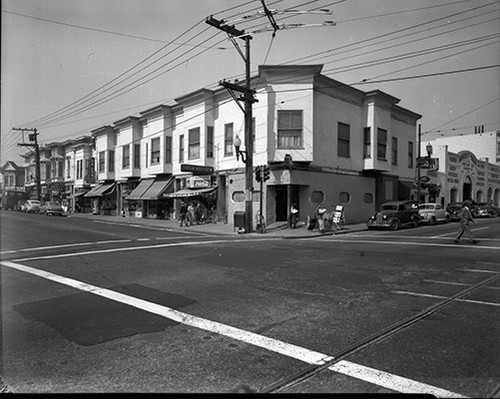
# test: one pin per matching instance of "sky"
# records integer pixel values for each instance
(71, 66)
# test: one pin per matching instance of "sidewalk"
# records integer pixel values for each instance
(278, 229)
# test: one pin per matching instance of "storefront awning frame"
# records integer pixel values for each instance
(159, 187)
(185, 193)
(140, 189)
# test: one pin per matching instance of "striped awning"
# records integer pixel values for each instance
(159, 187)
(141, 188)
(100, 190)
(191, 192)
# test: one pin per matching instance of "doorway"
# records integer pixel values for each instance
(282, 203)
(467, 189)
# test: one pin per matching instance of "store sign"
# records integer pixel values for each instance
(428, 163)
(205, 170)
(199, 182)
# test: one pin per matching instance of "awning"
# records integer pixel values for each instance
(191, 193)
(408, 184)
(100, 190)
(159, 187)
(80, 194)
(141, 188)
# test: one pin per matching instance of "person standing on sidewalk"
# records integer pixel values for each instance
(183, 213)
(465, 218)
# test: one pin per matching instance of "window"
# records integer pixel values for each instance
(155, 151)
(102, 161)
(60, 169)
(290, 129)
(126, 156)
(317, 197)
(92, 168)
(410, 154)
(168, 149)
(181, 148)
(344, 197)
(137, 155)
(194, 143)
(239, 196)
(381, 143)
(79, 169)
(367, 142)
(368, 198)
(228, 139)
(210, 141)
(394, 150)
(344, 139)
(68, 167)
(111, 161)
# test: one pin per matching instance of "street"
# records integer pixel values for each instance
(90, 306)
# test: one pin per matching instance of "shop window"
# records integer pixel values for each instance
(317, 197)
(368, 198)
(238, 196)
(344, 197)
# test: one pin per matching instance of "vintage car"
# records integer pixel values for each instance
(395, 214)
(32, 206)
(485, 210)
(51, 208)
(432, 213)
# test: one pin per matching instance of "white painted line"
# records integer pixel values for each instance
(452, 234)
(445, 297)
(377, 377)
(77, 244)
(455, 283)
(142, 247)
(144, 239)
(412, 243)
(479, 271)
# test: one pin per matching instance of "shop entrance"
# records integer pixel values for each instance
(467, 189)
(282, 205)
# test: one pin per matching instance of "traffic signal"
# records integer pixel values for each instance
(267, 172)
(258, 176)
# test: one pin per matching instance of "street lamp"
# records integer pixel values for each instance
(428, 148)
(237, 145)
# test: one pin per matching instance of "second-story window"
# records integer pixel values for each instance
(126, 156)
(210, 141)
(68, 167)
(394, 150)
(181, 148)
(102, 161)
(194, 143)
(228, 139)
(92, 169)
(381, 144)
(137, 155)
(111, 161)
(290, 129)
(155, 151)
(79, 169)
(344, 140)
(168, 149)
(367, 142)
(410, 154)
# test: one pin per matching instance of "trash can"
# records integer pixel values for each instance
(239, 220)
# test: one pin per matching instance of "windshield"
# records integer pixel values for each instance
(389, 207)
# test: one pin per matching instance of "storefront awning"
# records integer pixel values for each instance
(190, 192)
(141, 188)
(100, 190)
(408, 184)
(159, 187)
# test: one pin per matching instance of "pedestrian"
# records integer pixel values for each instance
(183, 214)
(190, 213)
(320, 212)
(294, 216)
(465, 219)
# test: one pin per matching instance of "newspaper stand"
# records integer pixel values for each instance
(339, 216)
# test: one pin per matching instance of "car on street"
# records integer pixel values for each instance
(431, 213)
(486, 210)
(395, 214)
(51, 208)
(32, 206)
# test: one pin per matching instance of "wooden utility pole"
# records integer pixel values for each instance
(418, 162)
(248, 98)
(33, 137)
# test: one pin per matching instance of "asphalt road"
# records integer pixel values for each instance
(91, 306)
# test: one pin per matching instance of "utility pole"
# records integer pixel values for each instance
(418, 162)
(248, 98)
(33, 137)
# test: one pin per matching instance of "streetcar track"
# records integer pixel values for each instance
(313, 369)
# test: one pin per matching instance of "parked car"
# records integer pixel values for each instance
(32, 206)
(51, 208)
(432, 213)
(454, 209)
(395, 214)
(20, 206)
(484, 209)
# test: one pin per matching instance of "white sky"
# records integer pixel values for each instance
(70, 56)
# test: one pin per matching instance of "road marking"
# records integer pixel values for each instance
(376, 377)
(455, 232)
(62, 246)
(455, 283)
(423, 244)
(445, 297)
(479, 270)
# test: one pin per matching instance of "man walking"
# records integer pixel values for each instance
(465, 219)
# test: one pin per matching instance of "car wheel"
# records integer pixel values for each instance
(432, 221)
(394, 224)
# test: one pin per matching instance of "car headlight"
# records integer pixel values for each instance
(384, 217)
